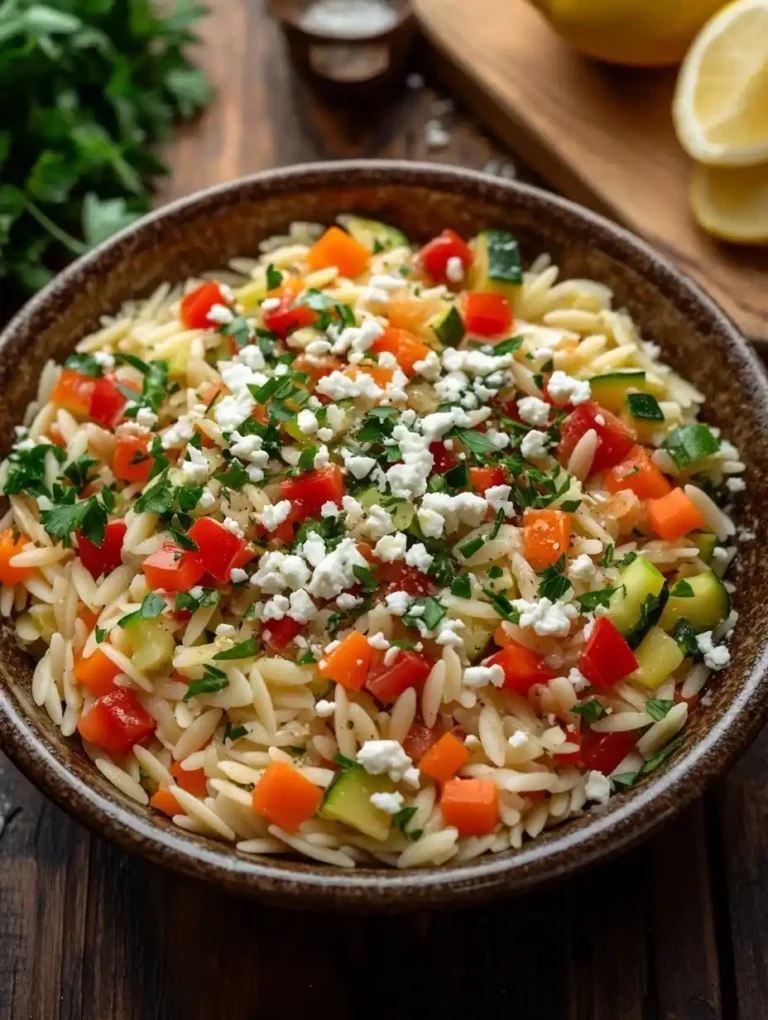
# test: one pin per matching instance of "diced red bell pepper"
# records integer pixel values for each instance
(73, 392)
(279, 633)
(639, 474)
(107, 403)
(398, 576)
(607, 658)
(217, 547)
(311, 490)
(614, 437)
(288, 317)
(101, 560)
(483, 478)
(420, 738)
(132, 461)
(522, 668)
(172, 569)
(570, 757)
(604, 751)
(408, 670)
(117, 722)
(196, 305)
(436, 253)
(444, 458)
(487, 314)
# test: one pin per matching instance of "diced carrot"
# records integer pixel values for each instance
(8, 549)
(314, 371)
(380, 375)
(674, 515)
(89, 617)
(165, 801)
(546, 536)
(285, 796)
(472, 805)
(445, 758)
(97, 673)
(337, 248)
(191, 780)
(406, 347)
(56, 437)
(639, 474)
(350, 663)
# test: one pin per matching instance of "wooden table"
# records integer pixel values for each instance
(676, 929)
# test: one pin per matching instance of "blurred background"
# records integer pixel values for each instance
(654, 112)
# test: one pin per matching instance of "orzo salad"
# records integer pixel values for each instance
(369, 552)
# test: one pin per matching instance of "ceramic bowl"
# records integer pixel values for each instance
(203, 231)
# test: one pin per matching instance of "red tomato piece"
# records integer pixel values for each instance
(73, 392)
(607, 658)
(444, 458)
(288, 317)
(217, 548)
(107, 403)
(420, 738)
(99, 560)
(311, 490)
(172, 569)
(522, 667)
(483, 478)
(436, 253)
(604, 751)
(614, 438)
(408, 670)
(117, 722)
(487, 314)
(132, 461)
(196, 305)
(399, 577)
(279, 633)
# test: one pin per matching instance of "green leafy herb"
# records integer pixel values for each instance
(88, 87)
(458, 476)
(157, 500)
(25, 469)
(245, 650)
(208, 597)
(401, 820)
(235, 477)
(607, 558)
(590, 600)
(503, 606)
(660, 756)
(208, 684)
(657, 708)
(690, 444)
(495, 572)
(590, 711)
(644, 407)
(347, 764)
(470, 548)
(685, 635)
(274, 277)
(182, 540)
(507, 346)
(461, 587)
(433, 612)
(570, 506)
(101, 633)
(84, 364)
(477, 443)
(624, 779)
(234, 732)
(553, 588)
(306, 659)
(682, 590)
(87, 516)
(78, 471)
(367, 581)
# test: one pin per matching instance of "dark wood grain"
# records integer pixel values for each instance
(675, 930)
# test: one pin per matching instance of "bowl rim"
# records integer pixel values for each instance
(608, 830)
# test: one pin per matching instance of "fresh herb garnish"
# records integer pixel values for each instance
(210, 683)
(87, 516)
(657, 708)
(590, 711)
(433, 612)
(367, 581)
(401, 820)
(503, 606)
(274, 277)
(234, 732)
(660, 756)
(461, 587)
(245, 650)
(84, 364)
(509, 346)
(590, 600)
(682, 590)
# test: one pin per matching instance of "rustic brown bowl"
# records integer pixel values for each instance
(202, 232)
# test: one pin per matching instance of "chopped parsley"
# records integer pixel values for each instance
(590, 711)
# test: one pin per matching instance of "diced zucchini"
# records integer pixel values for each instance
(496, 266)
(449, 327)
(348, 800)
(706, 543)
(292, 428)
(151, 643)
(374, 235)
(704, 609)
(476, 635)
(657, 655)
(610, 390)
(637, 582)
(400, 510)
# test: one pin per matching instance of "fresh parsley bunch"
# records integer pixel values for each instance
(87, 87)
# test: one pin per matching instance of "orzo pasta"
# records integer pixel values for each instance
(368, 553)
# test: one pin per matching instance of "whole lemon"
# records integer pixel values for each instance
(644, 33)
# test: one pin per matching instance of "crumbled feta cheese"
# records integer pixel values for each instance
(518, 738)
(278, 571)
(232, 410)
(276, 608)
(715, 656)
(498, 498)
(463, 508)
(146, 417)
(195, 468)
(736, 485)
(389, 803)
(384, 757)
(225, 630)
(322, 458)
(499, 440)
(565, 389)
(179, 433)
(329, 509)
(220, 314)
(273, 516)
(378, 523)
(307, 422)
(313, 550)
(578, 681)
(347, 601)
(339, 386)
(378, 641)
(533, 411)
(237, 575)
(582, 568)
(434, 426)
(479, 676)
(270, 304)
(324, 708)
(335, 572)
(446, 633)
(454, 269)
(547, 618)
(233, 527)
(398, 602)
(534, 445)
(429, 368)
(419, 557)
(302, 608)
(409, 479)
(598, 787)
(430, 522)
(358, 466)
(105, 359)
(391, 547)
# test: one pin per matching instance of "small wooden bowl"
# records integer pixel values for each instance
(205, 230)
(346, 62)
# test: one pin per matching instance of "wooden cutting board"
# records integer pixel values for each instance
(601, 135)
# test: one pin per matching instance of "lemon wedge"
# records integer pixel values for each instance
(732, 202)
(721, 101)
